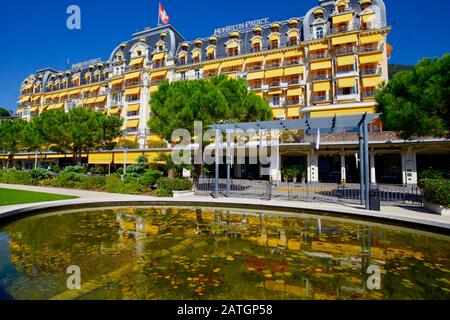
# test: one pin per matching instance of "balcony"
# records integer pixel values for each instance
(373, 48)
(253, 68)
(256, 86)
(368, 95)
(345, 73)
(324, 55)
(292, 43)
(133, 83)
(321, 77)
(344, 97)
(273, 65)
(158, 65)
(294, 103)
(295, 62)
(320, 99)
(342, 29)
(274, 84)
(345, 51)
(371, 72)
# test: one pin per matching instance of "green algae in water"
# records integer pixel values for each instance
(173, 253)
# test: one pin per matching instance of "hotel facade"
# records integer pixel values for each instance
(323, 64)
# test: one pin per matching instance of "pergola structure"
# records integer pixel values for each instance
(308, 125)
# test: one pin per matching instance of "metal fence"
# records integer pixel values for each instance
(325, 192)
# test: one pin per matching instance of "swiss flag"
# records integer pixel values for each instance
(163, 14)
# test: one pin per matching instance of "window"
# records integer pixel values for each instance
(132, 97)
(346, 91)
(211, 56)
(257, 47)
(139, 53)
(276, 100)
(274, 44)
(183, 76)
(197, 74)
(319, 33)
(119, 70)
(233, 52)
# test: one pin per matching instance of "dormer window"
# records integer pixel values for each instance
(257, 31)
(319, 33)
(256, 47)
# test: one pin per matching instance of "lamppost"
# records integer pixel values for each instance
(125, 150)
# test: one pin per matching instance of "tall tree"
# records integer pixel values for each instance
(177, 105)
(10, 137)
(4, 113)
(417, 102)
(111, 128)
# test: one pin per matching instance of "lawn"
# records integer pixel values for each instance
(10, 197)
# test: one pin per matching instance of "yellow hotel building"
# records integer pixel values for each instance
(326, 63)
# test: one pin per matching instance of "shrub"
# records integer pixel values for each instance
(115, 185)
(40, 174)
(74, 169)
(437, 191)
(15, 177)
(97, 170)
(150, 177)
(181, 184)
(94, 183)
(164, 193)
(139, 167)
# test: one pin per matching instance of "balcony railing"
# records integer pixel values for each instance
(370, 72)
(345, 50)
(274, 84)
(253, 68)
(272, 65)
(320, 77)
(347, 28)
(318, 99)
(319, 56)
(374, 48)
(368, 94)
(133, 83)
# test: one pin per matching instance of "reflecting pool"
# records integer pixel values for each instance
(193, 253)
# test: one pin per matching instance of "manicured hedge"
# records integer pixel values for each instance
(437, 191)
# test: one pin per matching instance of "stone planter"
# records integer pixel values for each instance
(437, 208)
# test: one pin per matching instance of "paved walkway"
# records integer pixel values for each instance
(394, 213)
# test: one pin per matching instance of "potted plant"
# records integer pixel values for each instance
(303, 175)
(294, 174)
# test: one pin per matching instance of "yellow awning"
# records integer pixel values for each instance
(117, 82)
(344, 39)
(89, 101)
(274, 56)
(153, 89)
(274, 73)
(100, 99)
(195, 54)
(94, 88)
(75, 77)
(212, 66)
(21, 157)
(370, 39)
(275, 92)
(132, 157)
(371, 82)
(345, 61)
(132, 123)
(343, 18)
(294, 70)
(55, 156)
(343, 112)
(36, 98)
(25, 99)
(347, 83)
(278, 113)
(232, 45)
(132, 91)
(159, 74)
(321, 86)
(211, 50)
(321, 65)
(34, 109)
(255, 75)
(294, 53)
(293, 112)
(294, 92)
(371, 58)
(77, 91)
(367, 18)
(158, 56)
(114, 109)
(318, 46)
(28, 86)
(133, 107)
(254, 59)
(136, 61)
(256, 41)
(274, 37)
(233, 63)
(132, 75)
(100, 158)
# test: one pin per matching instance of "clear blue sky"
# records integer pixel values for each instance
(34, 35)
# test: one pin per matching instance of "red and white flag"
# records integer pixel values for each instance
(163, 14)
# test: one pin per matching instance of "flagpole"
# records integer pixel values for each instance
(159, 18)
